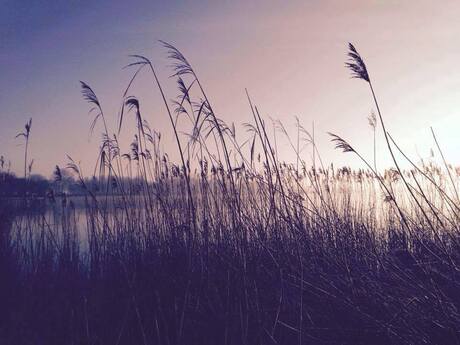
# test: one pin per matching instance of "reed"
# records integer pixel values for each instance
(231, 245)
(26, 135)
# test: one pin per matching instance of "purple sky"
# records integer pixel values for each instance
(290, 55)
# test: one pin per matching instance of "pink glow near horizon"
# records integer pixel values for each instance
(289, 56)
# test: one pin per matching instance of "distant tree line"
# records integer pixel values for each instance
(36, 185)
(11, 186)
(39, 186)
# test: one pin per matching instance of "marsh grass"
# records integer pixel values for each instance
(233, 246)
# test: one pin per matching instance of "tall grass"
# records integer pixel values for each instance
(26, 135)
(232, 245)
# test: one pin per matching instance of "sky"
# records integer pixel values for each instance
(290, 56)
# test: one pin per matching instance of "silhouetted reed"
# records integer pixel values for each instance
(232, 245)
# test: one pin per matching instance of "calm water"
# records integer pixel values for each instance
(68, 213)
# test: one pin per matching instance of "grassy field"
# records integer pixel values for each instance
(231, 245)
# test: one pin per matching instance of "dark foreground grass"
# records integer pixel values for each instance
(307, 289)
(233, 246)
